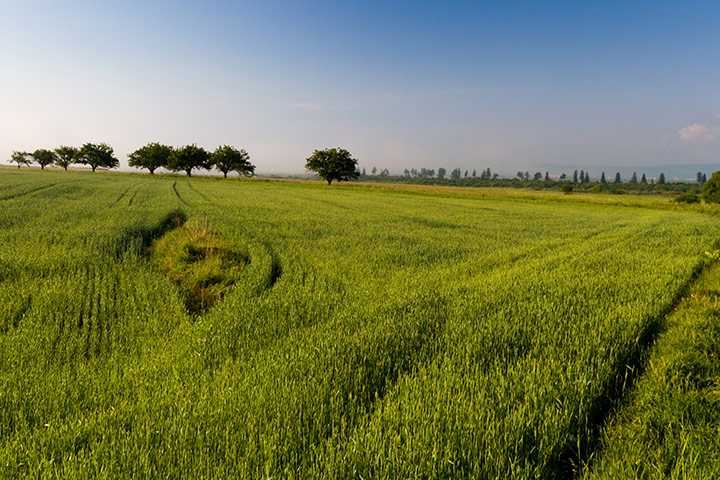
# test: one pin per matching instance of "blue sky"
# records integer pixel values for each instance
(506, 85)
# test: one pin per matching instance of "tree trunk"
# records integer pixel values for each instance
(66, 168)
(329, 180)
(93, 167)
(42, 167)
(19, 166)
(224, 174)
(152, 171)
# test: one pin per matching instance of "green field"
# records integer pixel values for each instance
(368, 332)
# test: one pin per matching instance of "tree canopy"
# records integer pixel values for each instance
(21, 158)
(97, 155)
(188, 158)
(64, 156)
(333, 164)
(152, 156)
(229, 159)
(43, 157)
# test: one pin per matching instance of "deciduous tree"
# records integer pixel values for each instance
(65, 156)
(229, 159)
(333, 164)
(152, 156)
(188, 158)
(97, 155)
(43, 157)
(21, 158)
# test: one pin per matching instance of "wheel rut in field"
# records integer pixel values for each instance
(27, 192)
(628, 369)
(117, 200)
(200, 194)
(37, 189)
(132, 198)
(177, 194)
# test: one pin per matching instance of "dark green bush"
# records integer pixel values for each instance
(688, 197)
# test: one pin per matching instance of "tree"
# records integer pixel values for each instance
(633, 179)
(441, 173)
(43, 157)
(602, 178)
(474, 174)
(21, 158)
(537, 176)
(587, 178)
(547, 176)
(643, 179)
(582, 176)
(65, 156)
(563, 176)
(374, 170)
(152, 156)
(575, 176)
(699, 178)
(661, 179)
(456, 173)
(363, 174)
(97, 155)
(188, 158)
(333, 164)
(617, 177)
(230, 159)
(466, 173)
(711, 189)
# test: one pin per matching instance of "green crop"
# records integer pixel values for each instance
(362, 333)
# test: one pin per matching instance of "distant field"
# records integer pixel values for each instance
(372, 331)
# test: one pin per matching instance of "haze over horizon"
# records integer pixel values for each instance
(505, 85)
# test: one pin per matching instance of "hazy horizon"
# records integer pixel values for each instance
(502, 85)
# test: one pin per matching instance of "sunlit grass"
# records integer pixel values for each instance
(374, 331)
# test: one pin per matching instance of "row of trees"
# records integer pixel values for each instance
(578, 177)
(430, 173)
(152, 156)
(225, 158)
(92, 154)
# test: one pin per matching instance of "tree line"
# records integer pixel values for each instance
(579, 176)
(152, 156)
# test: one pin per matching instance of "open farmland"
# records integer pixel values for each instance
(374, 333)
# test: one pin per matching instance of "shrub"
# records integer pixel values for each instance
(711, 189)
(688, 197)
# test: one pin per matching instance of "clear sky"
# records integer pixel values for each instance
(469, 84)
